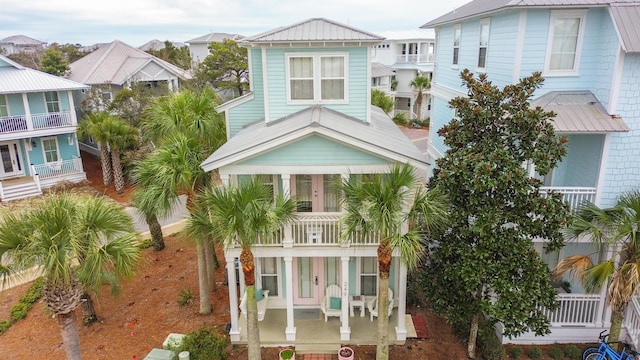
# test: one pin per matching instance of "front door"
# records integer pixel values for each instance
(316, 193)
(311, 276)
(11, 166)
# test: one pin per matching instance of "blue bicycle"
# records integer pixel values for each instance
(605, 352)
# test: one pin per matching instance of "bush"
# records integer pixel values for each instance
(19, 311)
(515, 352)
(535, 353)
(186, 297)
(4, 326)
(572, 352)
(381, 100)
(489, 343)
(400, 119)
(556, 353)
(204, 344)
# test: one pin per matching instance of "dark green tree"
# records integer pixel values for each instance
(226, 67)
(70, 52)
(54, 63)
(178, 56)
(485, 264)
(381, 100)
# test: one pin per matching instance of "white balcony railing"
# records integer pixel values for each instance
(573, 196)
(632, 322)
(52, 120)
(9, 124)
(58, 169)
(416, 58)
(577, 310)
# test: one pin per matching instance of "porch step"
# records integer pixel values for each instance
(317, 348)
(20, 191)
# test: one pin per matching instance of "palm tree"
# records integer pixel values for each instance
(618, 228)
(76, 243)
(387, 205)
(420, 84)
(91, 126)
(119, 135)
(149, 202)
(244, 214)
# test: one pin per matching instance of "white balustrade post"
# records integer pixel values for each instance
(287, 240)
(1, 191)
(290, 331)
(345, 330)
(234, 333)
(36, 177)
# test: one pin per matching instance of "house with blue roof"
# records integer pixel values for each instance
(306, 123)
(589, 54)
(38, 122)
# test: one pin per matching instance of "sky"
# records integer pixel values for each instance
(135, 22)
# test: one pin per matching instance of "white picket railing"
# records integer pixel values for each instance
(577, 310)
(13, 123)
(632, 322)
(416, 58)
(52, 120)
(58, 168)
(573, 196)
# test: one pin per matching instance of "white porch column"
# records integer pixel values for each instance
(344, 177)
(290, 331)
(27, 111)
(345, 330)
(286, 190)
(225, 179)
(401, 330)
(234, 333)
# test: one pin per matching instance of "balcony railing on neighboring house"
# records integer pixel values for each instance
(15, 123)
(416, 58)
(632, 321)
(573, 196)
(384, 88)
(577, 310)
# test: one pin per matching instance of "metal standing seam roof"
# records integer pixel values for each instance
(115, 64)
(314, 30)
(627, 20)
(381, 133)
(21, 40)
(156, 44)
(19, 79)
(214, 37)
(579, 112)
(378, 70)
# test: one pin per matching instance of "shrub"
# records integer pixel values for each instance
(535, 353)
(186, 297)
(19, 311)
(381, 100)
(4, 326)
(515, 352)
(572, 352)
(556, 353)
(204, 344)
(489, 343)
(400, 119)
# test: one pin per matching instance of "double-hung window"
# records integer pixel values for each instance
(457, 32)
(269, 275)
(51, 98)
(564, 42)
(4, 109)
(368, 276)
(317, 78)
(483, 44)
(50, 148)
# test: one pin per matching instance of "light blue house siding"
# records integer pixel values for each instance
(16, 106)
(315, 150)
(623, 164)
(37, 104)
(441, 114)
(253, 110)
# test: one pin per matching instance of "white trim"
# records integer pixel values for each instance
(250, 69)
(369, 75)
(445, 93)
(6, 104)
(563, 14)
(456, 27)
(317, 77)
(46, 102)
(265, 81)
(44, 154)
(616, 79)
(603, 168)
(305, 169)
(483, 22)
(522, 27)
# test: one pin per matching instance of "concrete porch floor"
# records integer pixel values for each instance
(318, 332)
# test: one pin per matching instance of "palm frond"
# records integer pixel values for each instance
(575, 264)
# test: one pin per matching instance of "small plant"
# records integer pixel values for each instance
(556, 353)
(4, 326)
(515, 352)
(186, 297)
(205, 343)
(19, 311)
(287, 354)
(400, 119)
(572, 352)
(535, 353)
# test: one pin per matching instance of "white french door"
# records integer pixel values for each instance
(311, 276)
(316, 193)
(11, 166)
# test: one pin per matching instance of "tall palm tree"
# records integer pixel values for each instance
(420, 84)
(119, 135)
(396, 207)
(244, 214)
(618, 228)
(76, 243)
(150, 202)
(187, 129)
(91, 126)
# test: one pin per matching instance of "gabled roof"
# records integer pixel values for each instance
(381, 137)
(625, 14)
(116, 63)
(579, 112)
(15, 78)
(21, 40)
(314, 30)
(214, 37)
(378, 70)
(156, 44)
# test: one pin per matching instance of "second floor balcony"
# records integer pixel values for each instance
(416, 58)
(19, 123)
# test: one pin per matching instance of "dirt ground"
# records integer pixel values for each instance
(146, 311)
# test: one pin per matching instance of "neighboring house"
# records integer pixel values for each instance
(382, 77)
(409, 54)
(306, 123)
(20, 43)
(38, 143)
(156, 45)
(199, 47)
(589, 53)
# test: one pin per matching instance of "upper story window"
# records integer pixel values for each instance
(483, 43)
(317, 78)
(51, 98)
(564, 42)
(457, 32)
(4, 109)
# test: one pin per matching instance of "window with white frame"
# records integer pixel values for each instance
(270, 181)
(368, 276)
(317, 78)
(269, 275)
(51, 98)
(483, 43)
(457, 32)
(50, 149)
(564, 42)
(4, 109)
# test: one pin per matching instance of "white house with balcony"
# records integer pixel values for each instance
(38, 143)
(408, 53)
(307, 123)
(589, 55)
